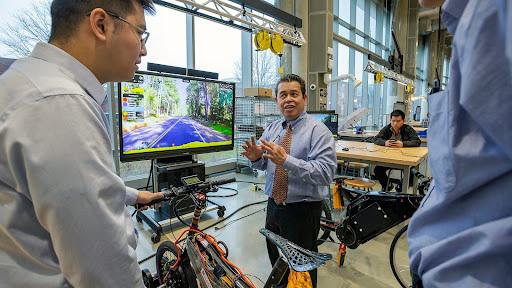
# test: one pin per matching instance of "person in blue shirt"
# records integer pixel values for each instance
(461, 235)
(298, 154)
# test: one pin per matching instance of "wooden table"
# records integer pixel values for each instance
(400, 158)
(349, 135)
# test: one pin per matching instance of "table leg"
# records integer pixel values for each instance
(405, 180)
(415, 183)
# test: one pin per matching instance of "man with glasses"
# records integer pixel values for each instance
(63, 217)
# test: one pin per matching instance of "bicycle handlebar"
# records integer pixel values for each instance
(203, 187)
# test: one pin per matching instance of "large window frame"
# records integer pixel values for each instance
(377, 97)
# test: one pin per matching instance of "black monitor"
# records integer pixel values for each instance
(163, 115)
(329, 118)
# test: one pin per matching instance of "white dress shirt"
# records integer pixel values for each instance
(63, 219)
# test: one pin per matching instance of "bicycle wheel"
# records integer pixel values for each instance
(181, 277)
(324, 232)
(399, 259)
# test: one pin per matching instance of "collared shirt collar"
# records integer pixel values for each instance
(452, 12)
(72, 67)
(293, 123)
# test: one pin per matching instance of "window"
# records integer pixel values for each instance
(344, 32)
(369, 29)
(23, 40)
(373, 20)
(265, 66)
(360, 15)
(217, 48)
(343, 59)
(167, 44)
(344, 10)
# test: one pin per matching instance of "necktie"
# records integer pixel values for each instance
(280, 186)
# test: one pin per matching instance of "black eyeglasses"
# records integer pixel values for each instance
(144, 35)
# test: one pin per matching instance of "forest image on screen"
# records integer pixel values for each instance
(164, 113)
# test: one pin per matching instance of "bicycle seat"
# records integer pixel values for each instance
(299, 259)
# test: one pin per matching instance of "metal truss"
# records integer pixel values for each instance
(401, 79)
(232, 13)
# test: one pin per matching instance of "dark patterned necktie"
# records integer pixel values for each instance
(280, 186)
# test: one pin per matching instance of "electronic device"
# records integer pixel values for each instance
(329, 118)
(164, 115)
(191, 180)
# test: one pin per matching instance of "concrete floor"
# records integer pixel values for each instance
(366, 266)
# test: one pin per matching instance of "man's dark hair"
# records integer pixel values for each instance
(292, 78)
(68, 14)
(398, 113)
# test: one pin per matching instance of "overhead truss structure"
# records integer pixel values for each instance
(376, 68)
(237, 16)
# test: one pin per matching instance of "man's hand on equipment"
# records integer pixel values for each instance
(145, 197)
(252, 151)
(275, 153)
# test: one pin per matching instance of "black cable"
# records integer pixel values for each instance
(147, 258)
(238, 219)
(230, 215)
(250, 182)
(175, 210)
(150, 174)
(225, 196)
(209, 226)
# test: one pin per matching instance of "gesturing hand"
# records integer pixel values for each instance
(252, 151)
(275, 153)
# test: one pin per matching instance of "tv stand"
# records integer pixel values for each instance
(166, 173)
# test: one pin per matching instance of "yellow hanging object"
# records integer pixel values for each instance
(276, 44)
(280, 70)
(299, 280)
(262, 40)
(379, 77)
(409, 88)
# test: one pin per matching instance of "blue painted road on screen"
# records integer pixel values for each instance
(175, 131)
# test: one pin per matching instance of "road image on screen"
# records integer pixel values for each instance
(161, 113)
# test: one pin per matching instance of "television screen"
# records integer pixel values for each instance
(329, 118)
(165, 115)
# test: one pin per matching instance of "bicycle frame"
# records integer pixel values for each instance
(202, 254)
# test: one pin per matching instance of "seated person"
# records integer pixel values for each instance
(396, 134)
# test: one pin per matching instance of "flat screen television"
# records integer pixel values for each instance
(329, 118)
(164, 115)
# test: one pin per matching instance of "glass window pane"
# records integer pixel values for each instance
(19, 38)
(360, 15)
(218, 48)
(359, 40)
(344, 32)
(372, 47)
(264, 69)
(344, 10)
(167, 44)
(359, 57)
(343, 59)
(373, 20)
